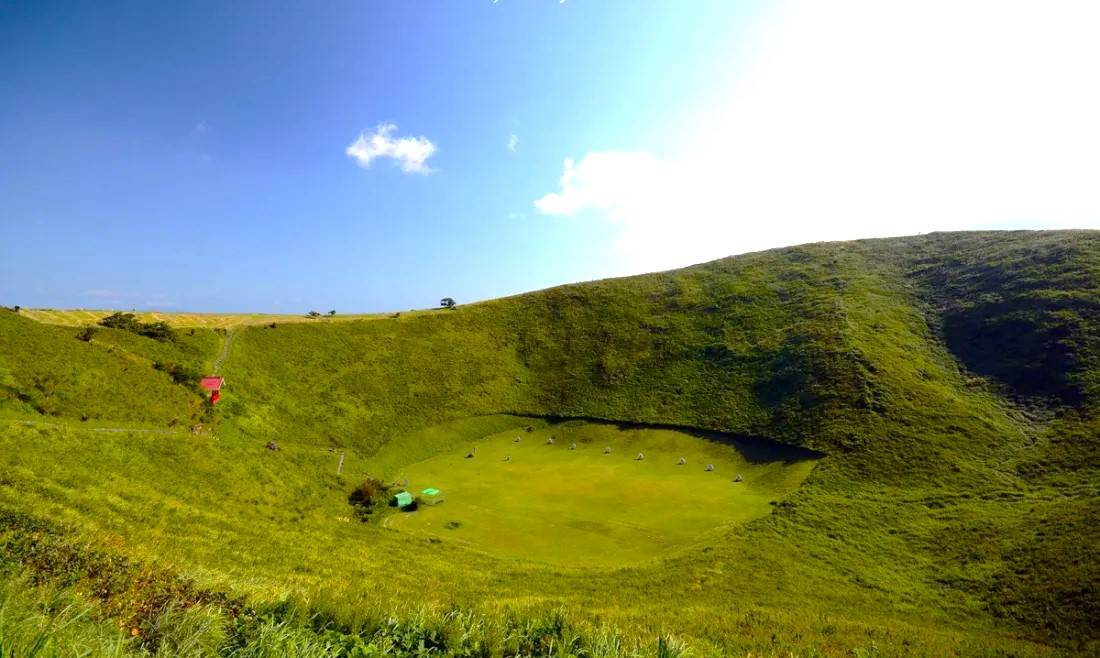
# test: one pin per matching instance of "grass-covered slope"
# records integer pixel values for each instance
(108, 375)
(826, 346)
(1023, 308)
(951, 379)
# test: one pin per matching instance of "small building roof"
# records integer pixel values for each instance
(430, 491)
(404, 499)
(212, 383)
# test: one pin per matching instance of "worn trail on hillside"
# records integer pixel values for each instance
(224, 354)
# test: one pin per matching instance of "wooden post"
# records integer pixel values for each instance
(340, 466)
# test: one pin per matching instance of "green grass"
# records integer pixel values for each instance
(49, 373)
(951, 380)
(85, 317)
(581, 507)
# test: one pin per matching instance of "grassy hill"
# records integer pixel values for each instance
(82, 317)
(951, 380)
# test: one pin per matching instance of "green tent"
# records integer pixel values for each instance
(432, 496)
(403, 499)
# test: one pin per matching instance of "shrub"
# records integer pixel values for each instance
(129, 322)
(180, 373)
(367, 496)
(120, 320)
(157, 331)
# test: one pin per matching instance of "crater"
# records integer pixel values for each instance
(599, 493)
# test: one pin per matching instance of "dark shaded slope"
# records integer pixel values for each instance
(1022, 307)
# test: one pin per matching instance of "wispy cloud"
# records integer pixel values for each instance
(513, 142)
(411, 153)
(199, 129)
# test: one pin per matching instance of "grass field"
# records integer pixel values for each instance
(82, 317)
(581, 507)
(953, 381)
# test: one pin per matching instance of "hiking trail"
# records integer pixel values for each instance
(224, 353)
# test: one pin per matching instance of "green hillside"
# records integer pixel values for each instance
(950, 381)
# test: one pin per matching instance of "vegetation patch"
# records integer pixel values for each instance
(158, 330)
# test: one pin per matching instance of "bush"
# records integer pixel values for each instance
(123, 321)
(129, 322)
(367, 496)
(179, 372)
(157, 331)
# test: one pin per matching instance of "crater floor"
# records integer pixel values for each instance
(581, 507)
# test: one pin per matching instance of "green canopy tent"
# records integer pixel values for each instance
(432, 496)
(403, 499)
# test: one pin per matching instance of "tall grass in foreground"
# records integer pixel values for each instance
(457, 633)
(46, 622)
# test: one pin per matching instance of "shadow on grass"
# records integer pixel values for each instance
(756, 450)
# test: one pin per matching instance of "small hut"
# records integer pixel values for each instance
(214, 385)
(402, 500)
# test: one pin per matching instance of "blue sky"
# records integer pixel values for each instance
(203, 155)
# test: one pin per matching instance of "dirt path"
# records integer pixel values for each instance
(224, 354)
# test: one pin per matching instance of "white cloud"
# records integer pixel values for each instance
(513, 142)
(411, 153)
(618, 182)
(864, 118)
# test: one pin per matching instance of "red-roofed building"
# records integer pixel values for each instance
(214, 385)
